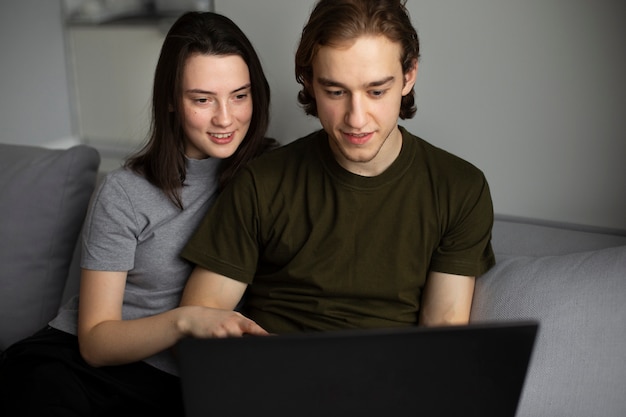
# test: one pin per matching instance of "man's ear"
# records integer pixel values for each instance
(308, 88)
(409, 78)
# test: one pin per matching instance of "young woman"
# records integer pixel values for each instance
(109, 353)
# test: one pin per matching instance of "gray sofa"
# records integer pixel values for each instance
(44, 195)
(572, 281)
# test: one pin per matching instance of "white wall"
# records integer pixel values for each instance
(113, 72)
(34, 99)
(530, 91)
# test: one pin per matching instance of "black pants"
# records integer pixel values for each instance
(45, 375)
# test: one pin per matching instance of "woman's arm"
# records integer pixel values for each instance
(105, 339)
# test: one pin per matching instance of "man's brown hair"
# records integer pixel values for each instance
(335, 22)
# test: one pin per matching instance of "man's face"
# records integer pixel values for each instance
(358, 88)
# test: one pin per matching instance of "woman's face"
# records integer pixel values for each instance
(217, 105)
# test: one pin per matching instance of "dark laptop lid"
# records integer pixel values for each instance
(475, 370)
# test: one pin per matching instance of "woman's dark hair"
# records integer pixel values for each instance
(334, 22)
(162, 159)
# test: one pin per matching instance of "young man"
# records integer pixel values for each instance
(360, 224)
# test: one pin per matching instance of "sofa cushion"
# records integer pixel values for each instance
(44, 195)
(578, 366)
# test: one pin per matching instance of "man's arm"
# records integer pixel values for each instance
(446, 300)
(209, 289)
(217, 296)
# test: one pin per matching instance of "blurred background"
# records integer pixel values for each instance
(530, 91)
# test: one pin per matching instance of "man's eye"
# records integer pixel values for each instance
(335, 93)
(377, 93)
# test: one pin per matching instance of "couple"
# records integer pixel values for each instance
(360, 224)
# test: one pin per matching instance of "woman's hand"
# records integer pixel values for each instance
(206, 322)
(106, 339)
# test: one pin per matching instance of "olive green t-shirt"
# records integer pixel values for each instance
(326, 249)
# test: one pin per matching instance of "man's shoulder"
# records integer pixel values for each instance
(292, 153)
(300, 145)
(437, 159)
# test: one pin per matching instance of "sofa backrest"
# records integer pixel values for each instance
(44, 194)
(519, 236)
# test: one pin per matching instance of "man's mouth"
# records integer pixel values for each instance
(357, 138)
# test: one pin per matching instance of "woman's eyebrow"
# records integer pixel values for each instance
(201, 91)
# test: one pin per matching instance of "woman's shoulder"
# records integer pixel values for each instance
(124, 176)
(124, 180)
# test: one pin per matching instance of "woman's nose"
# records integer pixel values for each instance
(222, 116)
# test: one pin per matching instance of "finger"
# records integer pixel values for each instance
(254, 329)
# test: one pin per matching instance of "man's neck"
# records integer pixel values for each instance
(386, 155)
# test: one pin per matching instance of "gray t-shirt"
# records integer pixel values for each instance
(132, 226)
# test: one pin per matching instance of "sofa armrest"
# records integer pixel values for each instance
(578, 368)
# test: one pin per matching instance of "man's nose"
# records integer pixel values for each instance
(356, 115)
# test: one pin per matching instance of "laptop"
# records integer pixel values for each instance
(474, 370)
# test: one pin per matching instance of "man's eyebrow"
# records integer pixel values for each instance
(201, 91)
(326, 82)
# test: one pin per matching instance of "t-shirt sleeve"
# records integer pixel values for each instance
(227, 242)
(109, 236)
(465, 246)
